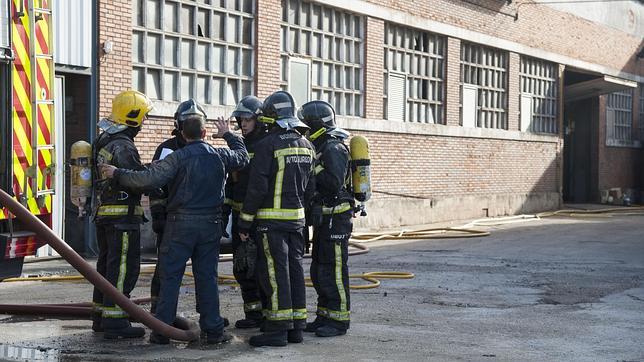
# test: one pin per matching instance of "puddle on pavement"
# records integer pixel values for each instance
(16, 353)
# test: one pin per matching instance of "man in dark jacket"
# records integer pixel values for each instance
(245, 253)
(195, 176)
(332, 213)
(159, 198)
(275, 199)
(117, 213)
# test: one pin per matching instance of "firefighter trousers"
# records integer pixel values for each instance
(329, 270)
(244, 270)
(281, 278)
(118, 261)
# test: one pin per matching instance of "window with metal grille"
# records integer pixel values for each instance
(641, 117)
(486, 68)
(420, 56)
(619, 116)
(333, 40)
(186, 49)
(539, 85)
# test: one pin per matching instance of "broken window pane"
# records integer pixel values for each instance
(203, 23)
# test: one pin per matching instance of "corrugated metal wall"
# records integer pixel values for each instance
(73, 32)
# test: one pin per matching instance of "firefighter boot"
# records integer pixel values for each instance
(295, 336)
(329, 331)
(313, 326)
(127, 332)
(247, 323)
(275, 339)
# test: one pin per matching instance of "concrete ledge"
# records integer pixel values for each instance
(394, 212)
(429, 129)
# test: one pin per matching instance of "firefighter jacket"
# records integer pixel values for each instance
(195, 175)
(237, 182)
(159, 197)
(116, 203)
(279, 184)
(332, 175)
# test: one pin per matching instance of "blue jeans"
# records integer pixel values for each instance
(193, 237)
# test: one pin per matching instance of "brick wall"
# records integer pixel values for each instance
(373, 71)
(268, 65)
(452, 82)
(115, 69)
(420, 166)
(618, 166)
(537, 26)
(514, 88)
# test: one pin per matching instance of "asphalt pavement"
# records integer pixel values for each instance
(554, 289)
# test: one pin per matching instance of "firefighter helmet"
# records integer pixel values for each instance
(129, 108)
(319, 116)
(186, 109)
(248, 107)
(279, 108)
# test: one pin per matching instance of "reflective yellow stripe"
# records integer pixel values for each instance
(318, 169)
(317, 134)
(114, 312)
(251, 155)
(246, 217)
(338, 277)
(299, 313)
(279, 315)
(125, 245)
(271, 275)
(118, 210)
(252, 307)
(279, 178)
(294, 151)
(98, 307)
(280, 214)
(333, 314)
(107, 156)
(338, 209)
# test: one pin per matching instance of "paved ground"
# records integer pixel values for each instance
(557, 289)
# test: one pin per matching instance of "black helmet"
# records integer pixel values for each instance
(248, 107)
(185, 109)
(279, 108)
(319, 115)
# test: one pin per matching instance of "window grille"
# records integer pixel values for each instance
(333, 40)
(619, 116)
(487, 68)
(186, 49)
(539, 81)
(419, 55)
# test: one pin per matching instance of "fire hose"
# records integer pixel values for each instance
(187, 331)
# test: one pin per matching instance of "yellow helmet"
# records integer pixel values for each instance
(130, 107)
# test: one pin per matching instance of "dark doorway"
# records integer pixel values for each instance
(77, 93)
(580, 135)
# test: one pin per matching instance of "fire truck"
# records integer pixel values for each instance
(27, 147)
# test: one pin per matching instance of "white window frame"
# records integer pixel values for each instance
(306, 61)
(405, 105)
(298, 39)
(420, 55)
(238, 76)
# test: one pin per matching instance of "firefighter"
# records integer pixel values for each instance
(277, 188)
(245, 253)
(158, 199)
(117, 212)
(331, 216)
(195, 175)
